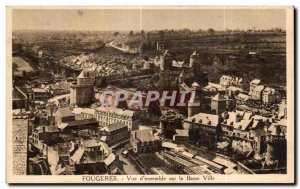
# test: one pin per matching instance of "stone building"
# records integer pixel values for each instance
(170, 121)
(195, 62)
(113, 134)
(19, 98)
(110, 115)
(269, 95)
(166, 61)
(253, 84)
(228, 81)
(203, 129)
(45, 135)
(143, 141)
(82, 93)
(64, 115)
(222, 102)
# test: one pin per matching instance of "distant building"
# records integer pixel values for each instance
(169, 122)
(203, 129)
(257, 92)
(181, 135)
(113, 134)
(143, 141)
(19, 98)
(160, 45)
(253, 84)
(166, 61)
(40, 54)
(45, 135)
(64, 114)
(110, 115)
(222, 102)
(227, 81)
(40, 94)
(269, 95)
(195, 62)
(242, 98)
(214, 88)
(82, 93)
(247, 134)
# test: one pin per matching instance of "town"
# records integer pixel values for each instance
(238, 125)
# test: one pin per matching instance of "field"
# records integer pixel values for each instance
(20, 65)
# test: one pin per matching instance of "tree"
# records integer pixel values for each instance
(211, 31)
(15, 67)
(131, 33)
(161, 34)
(116, 34)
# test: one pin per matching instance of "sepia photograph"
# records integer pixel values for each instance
(157, 95)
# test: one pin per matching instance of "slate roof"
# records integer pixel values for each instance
(114, 126)
(143, 135)
(18, 94)
(205, 119)
(65, 112)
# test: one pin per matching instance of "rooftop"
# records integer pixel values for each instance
(18, 94)
(65, 112)
(255, 81)
(117, 111)
(143, 135)
(205, 119)
(47, 129)
(113, 127)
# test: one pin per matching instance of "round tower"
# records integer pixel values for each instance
(193, 59)
(181, 77)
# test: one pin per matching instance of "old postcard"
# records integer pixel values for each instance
(139, 95)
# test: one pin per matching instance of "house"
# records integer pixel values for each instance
(203, 129)
(169, 122)
(109, 115)
(256, 93)
(40, 94)
(227, 81)
(143, 141)
(242, 98)
(235, 90)
(19, 98)
(113, 134)
(181, 135)
(246, 133)
(64, 114)
(269, 95)
(253, 84)
(91, 157)
(81, 126)
(214, 88)
(45, 135)
(222, 102)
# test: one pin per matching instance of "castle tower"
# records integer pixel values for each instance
(192, 109)
(276, 146)
(82, 93)
(166, 61)
(194, 62)
(181, 77)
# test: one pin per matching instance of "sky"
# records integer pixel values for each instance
(117, 19)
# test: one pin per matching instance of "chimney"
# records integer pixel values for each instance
(117, 157)
(134, 134)
(151, 132)
(193, 122)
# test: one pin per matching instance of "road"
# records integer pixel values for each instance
(129, 168)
